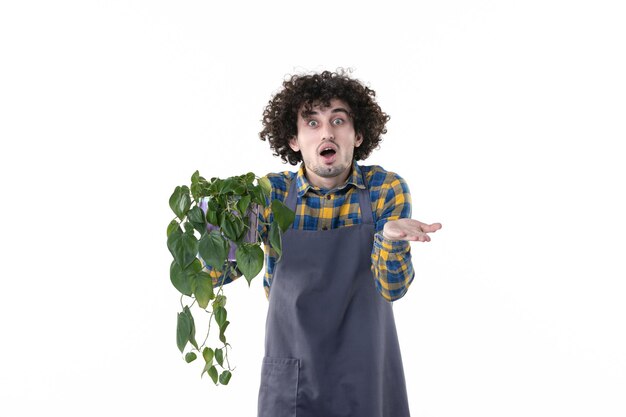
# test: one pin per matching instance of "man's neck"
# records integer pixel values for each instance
(327, 183)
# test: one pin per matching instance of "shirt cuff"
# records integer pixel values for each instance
(390, 246)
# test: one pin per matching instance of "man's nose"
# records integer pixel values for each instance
(327, 132)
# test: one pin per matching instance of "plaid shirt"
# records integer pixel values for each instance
(319, 209)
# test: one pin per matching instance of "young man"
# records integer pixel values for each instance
(331, 347)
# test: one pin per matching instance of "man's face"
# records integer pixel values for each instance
(326, 139)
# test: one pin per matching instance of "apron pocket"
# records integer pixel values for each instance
(279, 387)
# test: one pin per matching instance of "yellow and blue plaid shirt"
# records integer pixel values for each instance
(320, 209)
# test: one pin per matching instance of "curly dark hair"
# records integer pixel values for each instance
(281, 114)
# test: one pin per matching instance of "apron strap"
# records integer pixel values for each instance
(364, 200)
(292, 194)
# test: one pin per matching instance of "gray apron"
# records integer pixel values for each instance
(331, 347)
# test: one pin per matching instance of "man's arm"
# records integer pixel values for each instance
(391, 254)
(266, 217)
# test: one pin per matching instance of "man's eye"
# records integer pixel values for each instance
(312, 123)
(338, 121)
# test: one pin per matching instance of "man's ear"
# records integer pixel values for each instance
(359, 140)
(293, 144)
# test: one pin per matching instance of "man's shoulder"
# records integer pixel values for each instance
(280, 182)
(378, 177)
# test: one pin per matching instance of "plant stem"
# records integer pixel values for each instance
(208, 331)
(226, 356)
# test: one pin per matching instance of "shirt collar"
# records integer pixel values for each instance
(355, 178)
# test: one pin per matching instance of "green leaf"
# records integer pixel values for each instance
(208, 354)
(227, 185)
(283, 215)
(196, 215)
(233, 185)
(232, 226)
(258, 196)
(188, 227)
(240, 186)
(183, 279)
(223, 330)
(183, 329)
(180, 201)
(213, 249)
(190, 357)
(216, 186)
(275, 239)
(203, 289)
(249, 258)
(183, 246)
(266, 186)
(212, 210)
(207, 366)
(219, 357)
(220, 301)
(220, 218)
(197, 219)
(198, 183)
(243, 203)
(225, 377)
(172, 226)
(213, 374)
(249, 178)
(220, 315)
(192, 331)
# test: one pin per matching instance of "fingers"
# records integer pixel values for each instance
(423, 237)
(430, 228)
(422, 234)
(409, 229)
(417, 236)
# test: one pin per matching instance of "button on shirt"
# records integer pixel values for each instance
(320, 209)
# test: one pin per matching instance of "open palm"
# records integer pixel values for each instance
(409, 229)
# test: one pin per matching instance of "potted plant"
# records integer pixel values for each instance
(219, 225)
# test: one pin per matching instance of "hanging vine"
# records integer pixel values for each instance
(219, 225)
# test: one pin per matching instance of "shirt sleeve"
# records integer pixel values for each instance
(391, 260)
(266, 217)
(279, 190)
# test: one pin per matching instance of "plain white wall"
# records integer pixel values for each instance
(506, 120)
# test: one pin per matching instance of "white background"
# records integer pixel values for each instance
(506, 121)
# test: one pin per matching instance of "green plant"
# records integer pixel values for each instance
(223, 236)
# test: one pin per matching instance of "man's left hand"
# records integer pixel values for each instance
(409, 229)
